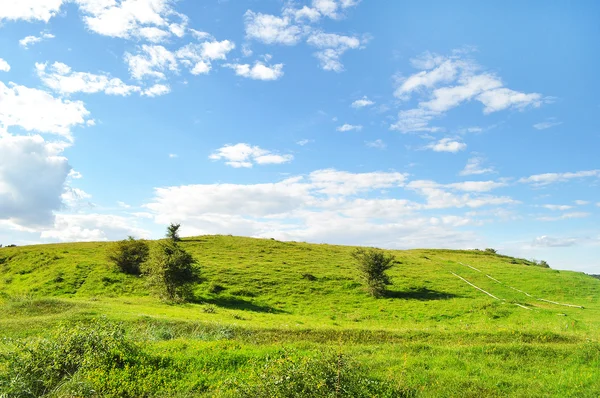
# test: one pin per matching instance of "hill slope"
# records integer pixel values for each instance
(453, 320)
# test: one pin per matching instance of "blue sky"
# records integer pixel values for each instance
(389, 124)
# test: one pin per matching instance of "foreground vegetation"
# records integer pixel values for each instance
(271, 318)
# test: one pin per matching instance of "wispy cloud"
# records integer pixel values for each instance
(245, 155)
(550, 122)
(349, 127)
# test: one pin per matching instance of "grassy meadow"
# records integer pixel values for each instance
(267, 313)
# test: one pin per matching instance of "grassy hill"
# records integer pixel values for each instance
(433, 335)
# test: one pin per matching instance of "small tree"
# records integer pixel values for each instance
(128, 255)
(173, 232)
(172, 271)
(373, 264)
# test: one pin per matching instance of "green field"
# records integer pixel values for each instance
(269, 306)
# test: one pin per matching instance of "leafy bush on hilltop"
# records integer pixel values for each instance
(373, 264)
(128, 254)
(172, 271)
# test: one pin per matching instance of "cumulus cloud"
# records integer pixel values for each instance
(271, 29)
(550, 178)
(32, 179)
(60, 78)
(349, 127)
(258, 71)
(475, 166)
(29, 40)
(4, 66)
(324, 206)
(92, 227)
(363, 102)
(245, 155)
(151, 20)
(151, 61)
(445, 82)
(30, 10)
(447, 145)
(36, 110)
(332, 46)
(157, 90)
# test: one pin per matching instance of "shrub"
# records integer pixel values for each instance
(328, 374)
(128, 255)
(36, 367)
(373, 264)
(215, 288)
(173, 232)
(172, 271)
(490, 250)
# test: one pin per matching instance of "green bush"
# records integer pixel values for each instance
(172, 271)
(289, 374)
(373, 264)
(490, 250)
(38, 367)
(129, 254)
(173, 232)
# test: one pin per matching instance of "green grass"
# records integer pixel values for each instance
(433, 335)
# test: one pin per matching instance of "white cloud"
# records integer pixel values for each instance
(32, 179)
(259, 71)
(503, 98)
(92, 227)
(216, 49)
(29, 40)
(447, 82)
(126, 19)
(304, 142)
(447, 145)
(123, 205)
(74, 198)
(60, 78)
(361, 103)
(378, 144)
(307, 13)
(557, 207)
(566, 216)
(320, 207)
(415, 120)
(152, 60)
(549, 178)
(551, 122)
(582, 202)
(547, 241)
(30, 10)
(474, 166)
(332, 47)
(438, 196)
(443, 73)
(157, 90)
(36, 110)
(4, 66)
(173, 156)
(349, 127)
(198, 57)
(271, 29)
(244, 155)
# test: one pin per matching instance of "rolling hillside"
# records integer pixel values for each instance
(468, 321)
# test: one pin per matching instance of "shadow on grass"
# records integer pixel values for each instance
(422, 294)
(234, 303)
